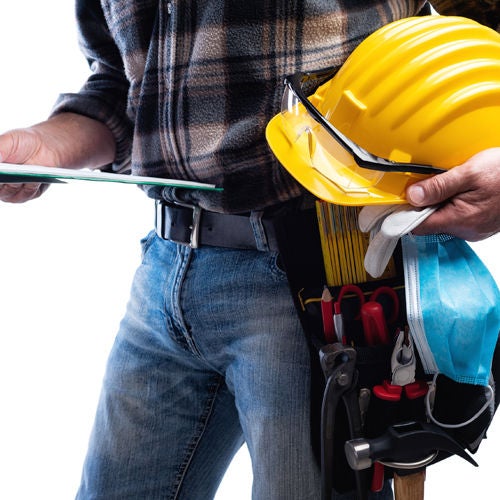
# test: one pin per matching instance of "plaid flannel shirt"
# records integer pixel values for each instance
(188, 86)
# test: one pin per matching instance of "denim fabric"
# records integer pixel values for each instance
(209, 354)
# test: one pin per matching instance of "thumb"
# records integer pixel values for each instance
(436, 189)
(17, 146)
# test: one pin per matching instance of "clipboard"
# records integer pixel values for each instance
(15, 173)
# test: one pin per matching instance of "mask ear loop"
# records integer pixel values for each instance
(431, 393)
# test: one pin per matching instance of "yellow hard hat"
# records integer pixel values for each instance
(416, 97)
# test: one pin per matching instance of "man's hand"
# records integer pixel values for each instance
(65, 140)
(469, 195)
(23, 146)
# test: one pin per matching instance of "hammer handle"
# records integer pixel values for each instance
(410, 487)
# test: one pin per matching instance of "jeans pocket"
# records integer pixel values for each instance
(276, 266)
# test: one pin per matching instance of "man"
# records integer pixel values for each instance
(210, 352)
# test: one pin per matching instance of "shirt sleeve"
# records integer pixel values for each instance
(104, 95)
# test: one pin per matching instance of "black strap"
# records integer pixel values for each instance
(191, 225)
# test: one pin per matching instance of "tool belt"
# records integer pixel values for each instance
(366, 428)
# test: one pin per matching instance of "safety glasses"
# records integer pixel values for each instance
(295, 101)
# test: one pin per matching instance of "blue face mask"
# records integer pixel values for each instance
(453, 307)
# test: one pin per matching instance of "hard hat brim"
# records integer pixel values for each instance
(319, 178)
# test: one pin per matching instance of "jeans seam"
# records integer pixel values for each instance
(205, 417)
(186, 254)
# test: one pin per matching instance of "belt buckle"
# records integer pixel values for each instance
(194, 237)
(194, 227)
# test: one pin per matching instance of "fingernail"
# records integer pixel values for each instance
(416, 194)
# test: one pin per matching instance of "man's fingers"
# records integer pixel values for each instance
(19, 193)
(479, 173)
(438, 188)
(464, 216)
(438, 222)
(443, 221)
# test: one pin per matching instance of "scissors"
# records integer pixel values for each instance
(371, 313)
(373, 316)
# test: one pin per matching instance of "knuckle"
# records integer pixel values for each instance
(438, 188)
(19, 193)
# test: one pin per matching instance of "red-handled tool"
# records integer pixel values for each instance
(393, 296)
(338, 318)
(374, 324)
(373, 316)
(403, 382)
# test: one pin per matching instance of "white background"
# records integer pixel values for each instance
(66, 263)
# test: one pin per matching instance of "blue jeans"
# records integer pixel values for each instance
(210, 354)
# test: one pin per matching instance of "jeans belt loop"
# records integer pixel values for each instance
(194, 227)
(259, 231)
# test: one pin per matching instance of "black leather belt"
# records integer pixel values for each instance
(194, 226)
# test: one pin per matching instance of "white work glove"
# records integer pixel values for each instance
(386, 224)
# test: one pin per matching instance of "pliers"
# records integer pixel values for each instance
(338, 363)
